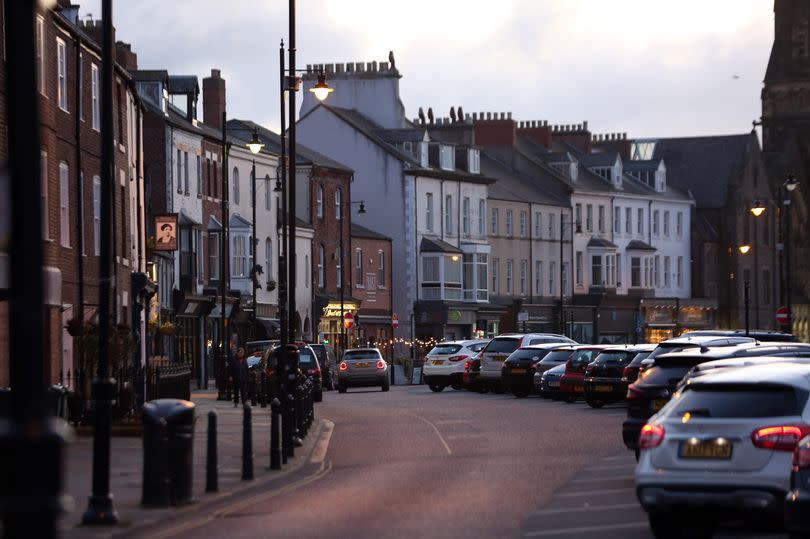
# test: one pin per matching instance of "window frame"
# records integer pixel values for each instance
(64, 204)
(61, 74)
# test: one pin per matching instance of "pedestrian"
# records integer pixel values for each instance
(239, 376)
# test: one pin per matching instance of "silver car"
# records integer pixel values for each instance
(363, 367)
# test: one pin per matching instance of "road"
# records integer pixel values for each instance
(411, 463)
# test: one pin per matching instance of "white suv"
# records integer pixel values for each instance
(499, 348)
(444, 364)
(722, 448)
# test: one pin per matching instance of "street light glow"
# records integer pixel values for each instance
(255, 145)
(321, 90)
(744, 248)
(791, 183)
(758, 208)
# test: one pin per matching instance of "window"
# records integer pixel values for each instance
(657, 271)
(475, 161)
(640, 221)
(235, 181)
(198, 242)
(381, 269)
(564, 276)
(94, 97)
(320, 267)
(80, 75)
(465, 216)
(523, 274)
(679, 272)
(429, 211)
(481, 268)
(589, 217)
(617, 220)
(618, 269)
(647, 272)
(338, 204)
(509, 288)
(430, 269)
(239, 259)
(635, 271)
(448, 214)
(666, 224)
(358, 268)
(601, 219)
(213, 256)
(43, 186)
(338, 269)
(551, 226)
(538, 277)
(494, 222)
(666, 272)
(185, 171)
(482, 213)
(447, 157)
(509, 223)
(40, 31)
(552, 272)
(679, 225)
(306, 265)
(61, 74)
(96, 215)
(578, 215)
(319, 202)
(64, 204)
(578, 268)
(628, 220)
(82, 241)
(199, 177)
(468, 261)
(610, 269)
(538, 225)
(267, 197)
(596, 270)
(522, 224)
(655, 223)
(179, 171)
(496, 283)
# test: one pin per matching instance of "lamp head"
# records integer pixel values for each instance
(791, 183)
(362, 209)
(321, 90)
(758, 208)
(744, 248)
(255, 145)
(455, 258)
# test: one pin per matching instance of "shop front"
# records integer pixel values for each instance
(330, 326)
(190, 335)
(665, 318)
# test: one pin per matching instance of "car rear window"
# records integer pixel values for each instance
(641, 356)
(534, 355)
(584, 356)
(253, 347)
(305, 356)
(320, 351)
(665, 376)
(505, 345)
(361, 354)
(556, 356)
(740, 401)
(477, 347)
(444, 349)
(664, 348)
(607, 357)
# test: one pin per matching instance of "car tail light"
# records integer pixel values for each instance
(801, 455)
(343, 366)
(652, 434)
(381, 364)
(314, 372)
(467, 365)
(627, 372)
(633, 392)
(779, 438)
(456, 358)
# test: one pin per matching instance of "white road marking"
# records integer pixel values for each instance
(596, 492)
(436, 430)
(602, 479)
(587, 529)
(321, 446)
(583, 508)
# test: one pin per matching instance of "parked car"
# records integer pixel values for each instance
(630, 372)
(558, 356)
(519, 368)
(572, 383)
(258, 348)
(549, 382)
(327, 361)
(472, 369)
(687, 341)
(444, 364)
(797, 502)
(309, 366)
(764, 335)
(603, 377)
(499, 348)
(722, 450)
(363, 367)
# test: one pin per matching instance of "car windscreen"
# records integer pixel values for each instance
(444, 349)
(523, 353)
(641, 356)
(502, 345)
(749, 400)
(361, 354)
(583, 356)
(556, 356)
(614, 357)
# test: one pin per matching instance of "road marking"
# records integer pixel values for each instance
(465, 436)
(585, 508)
(436, 430)
(588, 529)
(602, 479)
(322, 445)
(629, 467)
(596, 492)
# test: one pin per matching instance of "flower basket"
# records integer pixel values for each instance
(75, 327)
(271, 285)
(167, 328)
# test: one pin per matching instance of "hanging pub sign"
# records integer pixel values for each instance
(166, 232)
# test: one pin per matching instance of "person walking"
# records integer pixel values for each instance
(239, 376)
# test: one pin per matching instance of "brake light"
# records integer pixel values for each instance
(801, 455)
(343, 366)
(626, 372)
(779, 438)
(652, 434)
(456, 358)
(633, 392)
(466, 365)
(313, 372)
(381, 364)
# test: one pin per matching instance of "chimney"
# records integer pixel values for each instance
(495, 130)
(94, 29)
(125, 57)
(213, 99)
(538, 131)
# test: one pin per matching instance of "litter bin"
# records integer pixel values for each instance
(168, 440)
(57, 401)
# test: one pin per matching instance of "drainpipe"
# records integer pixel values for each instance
(79, 314)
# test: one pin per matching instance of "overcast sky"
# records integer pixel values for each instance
(648, 68)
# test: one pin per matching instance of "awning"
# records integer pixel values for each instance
(601, 242)
(437, 246)
(194, 308)
(638, 245)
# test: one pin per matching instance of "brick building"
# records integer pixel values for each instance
(371, 263)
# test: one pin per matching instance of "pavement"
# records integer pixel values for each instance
(126, 472)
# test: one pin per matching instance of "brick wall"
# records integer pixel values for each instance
(327, 230)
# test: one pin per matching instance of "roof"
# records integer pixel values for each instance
(435, 245)
(601, 242)
(513, 186)
(638, 245)
(359, 231)
(157, 75)
(401, 135)
(795, 374)
(182, 84)
(640, 164)
(599, 159)
(704, 165)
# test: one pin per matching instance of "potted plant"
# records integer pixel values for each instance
(167, 328)
(271, 285)
(75, 327)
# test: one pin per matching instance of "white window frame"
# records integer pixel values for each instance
(666, 224)
(429, 212)
(589, 217)
(667, 277)
(358, 268)
(617, 220)
(524, 271)
(496, 277)
(465, 216)
(601, 218)
(199, 176)
(655, 223)
(319, 202)
(494, 218)
(61, 74)
(448, 214)
(509, 228)
(522, 217)
(64, 204)
(96, 215)
(213, 255)
(40, 52)
(578, 269)
(538, 277)
(321, 266)
(94, 93)
(552, 271)
(538, 225)
(268, 198)
(235, 181)
(268, 258)
(679, 225)
(482, 216)
(43, 185)
(446, 157)
(381, 280)
(510, 276)
(640, 221)
(679, 273)
(338, 204)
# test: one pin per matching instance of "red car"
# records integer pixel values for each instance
(572, 383)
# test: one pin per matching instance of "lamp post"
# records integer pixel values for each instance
(790, 185)
(361, 211)
(757, 209)
(744, 250)
(255, 146)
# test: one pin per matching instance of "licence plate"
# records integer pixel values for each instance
(579, 389)
(659, 403)
(361, 365)
(606, 389)
(554, 384)
(437, 362)
(705, 449)
(518, 371)
(499, 358)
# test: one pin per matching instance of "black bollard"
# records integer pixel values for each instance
(275, 439)
(247, 444)
(253, 390)
(262, 389)
(211, 483)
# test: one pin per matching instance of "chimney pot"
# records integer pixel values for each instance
(475, 116)
(585, 125)
(624, 136)
(509, 115)
(383, 66)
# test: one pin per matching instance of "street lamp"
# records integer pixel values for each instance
(744, 249)
(758, 208)
(360, 211)
(255, 146)
(790, 185)
(321, 89)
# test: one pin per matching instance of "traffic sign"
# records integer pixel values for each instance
(782, 315)
(395, 321)
(348, 320)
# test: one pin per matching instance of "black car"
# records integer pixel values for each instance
(307, 365)
(797, 502)
(518, 370)
(631, 370)
(549, 383)
(758, 334)
(603, 376)
(327, 361)
(558, 356)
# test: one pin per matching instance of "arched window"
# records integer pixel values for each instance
(235, 180)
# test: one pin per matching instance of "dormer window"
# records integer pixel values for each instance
(423, 154)
(474, 161)
(447, 157)
(407, 147)
(605, 172)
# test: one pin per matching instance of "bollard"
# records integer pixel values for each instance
(289, 422)
(247, 444)
(262, 389)
(275, 439)
(252, 390)
(211, 483)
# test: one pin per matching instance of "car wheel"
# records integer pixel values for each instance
(520, 392)
(499, 389)
(318, 397)
(595, 403)
(341, 388)
(386, 385)
(435, 387)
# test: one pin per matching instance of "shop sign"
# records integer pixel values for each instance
(454, 316)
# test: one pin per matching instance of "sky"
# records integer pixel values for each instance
(648, 68)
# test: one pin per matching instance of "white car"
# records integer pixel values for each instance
(499, 348)
(722, 448)
(444, 364)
